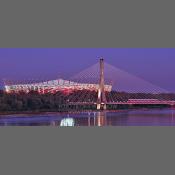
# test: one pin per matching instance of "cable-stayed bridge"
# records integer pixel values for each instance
(101, 85)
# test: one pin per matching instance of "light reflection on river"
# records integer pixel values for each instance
(148, 117)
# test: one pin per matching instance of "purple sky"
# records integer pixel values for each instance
(154, 65)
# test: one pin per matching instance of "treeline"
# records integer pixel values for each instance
(33, 101)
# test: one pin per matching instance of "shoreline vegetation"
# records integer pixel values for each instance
(35, 103)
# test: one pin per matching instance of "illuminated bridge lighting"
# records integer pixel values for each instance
(100, 86)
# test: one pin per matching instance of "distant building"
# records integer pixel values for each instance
(54, 86)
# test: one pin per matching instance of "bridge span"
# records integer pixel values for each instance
(90, 87)
(131, 102)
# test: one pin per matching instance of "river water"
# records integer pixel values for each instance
(147, 117)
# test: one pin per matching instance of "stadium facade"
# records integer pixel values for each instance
(54, 86)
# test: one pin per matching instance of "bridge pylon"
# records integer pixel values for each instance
(101, 101)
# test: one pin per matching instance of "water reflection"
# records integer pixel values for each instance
(101, 119)
(67, 122)
(54, 123)
(147, 117)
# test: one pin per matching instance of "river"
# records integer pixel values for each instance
(141, 117)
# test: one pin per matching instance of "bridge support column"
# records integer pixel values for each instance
(101, 101)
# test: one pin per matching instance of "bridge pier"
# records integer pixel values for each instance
(101, 106)
(101, 101)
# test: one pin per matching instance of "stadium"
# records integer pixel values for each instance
(54, 86)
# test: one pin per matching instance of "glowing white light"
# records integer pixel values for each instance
(67, 122)
(7, 89)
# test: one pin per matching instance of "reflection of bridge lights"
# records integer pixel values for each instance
(101, 119)
(67, 122)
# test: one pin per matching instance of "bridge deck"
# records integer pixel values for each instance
(140, 102)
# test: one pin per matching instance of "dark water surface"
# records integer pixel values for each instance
(149, 117)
